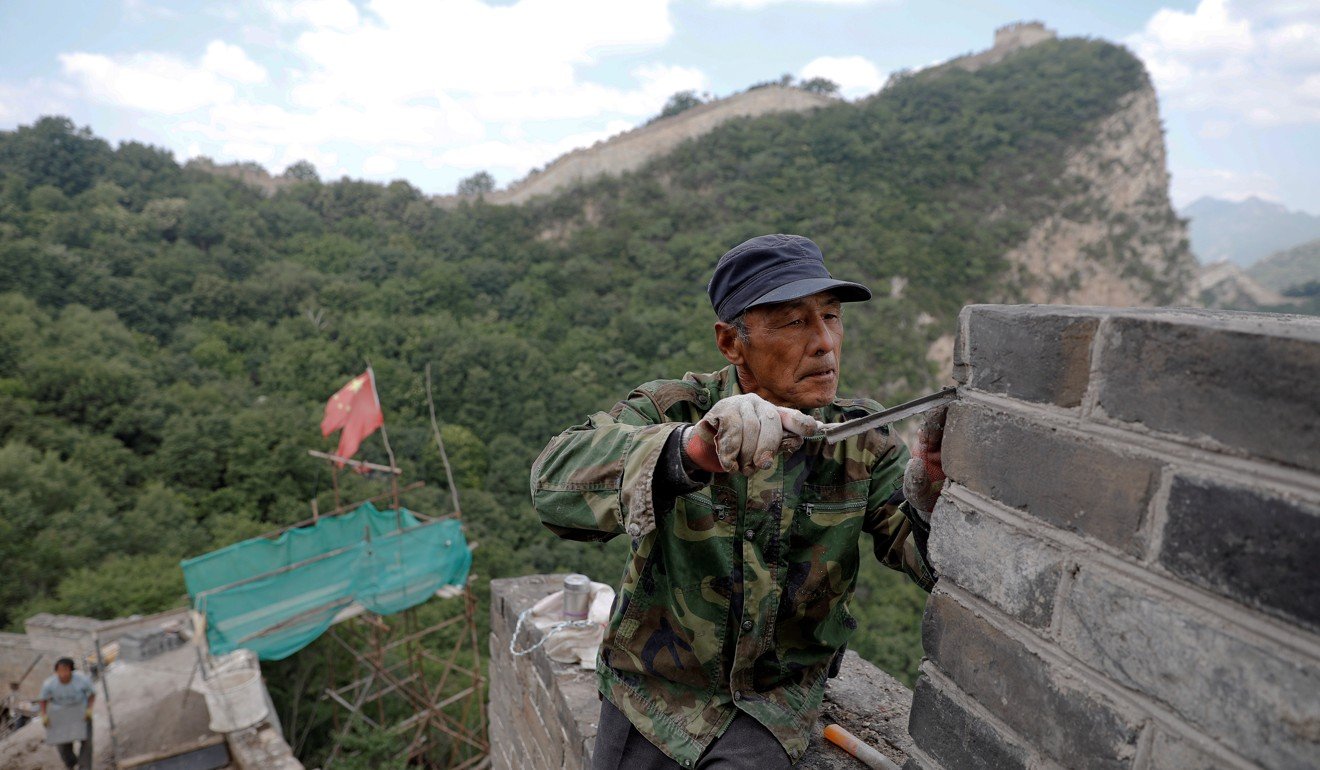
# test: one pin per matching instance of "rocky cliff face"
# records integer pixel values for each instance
(1115, 239)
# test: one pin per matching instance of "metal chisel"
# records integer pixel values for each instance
(836, 432)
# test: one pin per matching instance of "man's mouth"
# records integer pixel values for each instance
(822, 375)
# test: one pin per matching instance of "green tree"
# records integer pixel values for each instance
(120, 586)
(205, 218)
(54, 152)
(476, 185)
(302, 171)
(820, 86)
(681, 101)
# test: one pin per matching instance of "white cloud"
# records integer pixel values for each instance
(229, 61)
(379, 165)
(856, 75)
(431, 81)
(335, 14)
(1236, 61)
(456, 83)
(160, 83)
(149, 82)
(414, 50)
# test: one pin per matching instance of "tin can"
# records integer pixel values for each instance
(577, 597)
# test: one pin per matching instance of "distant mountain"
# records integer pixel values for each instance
(1290, 268)
(1244, 231)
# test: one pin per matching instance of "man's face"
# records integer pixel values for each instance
(791, 354)
(65, 673)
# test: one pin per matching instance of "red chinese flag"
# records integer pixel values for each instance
(355, 412)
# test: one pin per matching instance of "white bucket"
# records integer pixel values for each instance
(235, 699)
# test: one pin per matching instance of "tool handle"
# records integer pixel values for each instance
(850, 743)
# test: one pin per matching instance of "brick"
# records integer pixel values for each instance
(1047, 707)
(1168, 752)
(1242, 381)
(1014, 571)
(957, 738)
(1253, 697)
(1256, 548)
(1064, 479)
(1029, 353)
(578, 701)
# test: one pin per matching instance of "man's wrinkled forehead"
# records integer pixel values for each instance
(819, 300)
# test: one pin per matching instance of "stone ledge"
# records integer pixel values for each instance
(863, 699)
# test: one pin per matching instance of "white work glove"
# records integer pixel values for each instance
(923, 479)
(744, 433)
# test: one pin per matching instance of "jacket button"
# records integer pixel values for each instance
(750, 534)
(737, 694)
(702, 399)
(747, 625)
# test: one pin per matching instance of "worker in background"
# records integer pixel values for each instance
(66, 711)
(733, 610)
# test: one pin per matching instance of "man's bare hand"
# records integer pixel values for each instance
(746, 432)
(924, 476)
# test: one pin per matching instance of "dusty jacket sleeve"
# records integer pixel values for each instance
(595, 480)
(899, 533)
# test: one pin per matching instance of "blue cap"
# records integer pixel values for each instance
(774, 268)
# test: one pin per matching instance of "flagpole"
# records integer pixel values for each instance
(385, 436)
(440, 442)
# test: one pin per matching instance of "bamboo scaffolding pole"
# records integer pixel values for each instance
(354, 463)
(440, 442)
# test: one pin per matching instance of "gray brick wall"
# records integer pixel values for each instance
(1129, 545)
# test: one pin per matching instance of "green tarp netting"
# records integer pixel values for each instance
(275, 597)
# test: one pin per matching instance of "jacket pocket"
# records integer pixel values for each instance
(675, 623)
(822, 549)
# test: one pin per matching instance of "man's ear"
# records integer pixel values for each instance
(729, 343)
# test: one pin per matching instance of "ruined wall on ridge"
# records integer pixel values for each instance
(631, 150)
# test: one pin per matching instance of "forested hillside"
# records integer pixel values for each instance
(168, 337)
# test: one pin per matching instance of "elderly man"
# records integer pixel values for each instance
(66, 711)
(734, 605)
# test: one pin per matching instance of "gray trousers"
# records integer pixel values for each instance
(83, 759)
(745, 745)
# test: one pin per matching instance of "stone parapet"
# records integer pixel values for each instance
(1127, 544)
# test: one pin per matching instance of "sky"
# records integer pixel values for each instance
(433, 91)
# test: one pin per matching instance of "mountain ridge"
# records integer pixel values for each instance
(1245, 231)
(1290, 268)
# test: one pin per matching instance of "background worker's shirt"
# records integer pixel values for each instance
(66, 705)
(71, 695)
(738, 598)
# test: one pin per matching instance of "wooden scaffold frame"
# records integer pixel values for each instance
(392, 659)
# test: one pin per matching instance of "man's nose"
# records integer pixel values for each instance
(822, 342)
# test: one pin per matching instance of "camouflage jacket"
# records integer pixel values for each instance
(738, 597)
